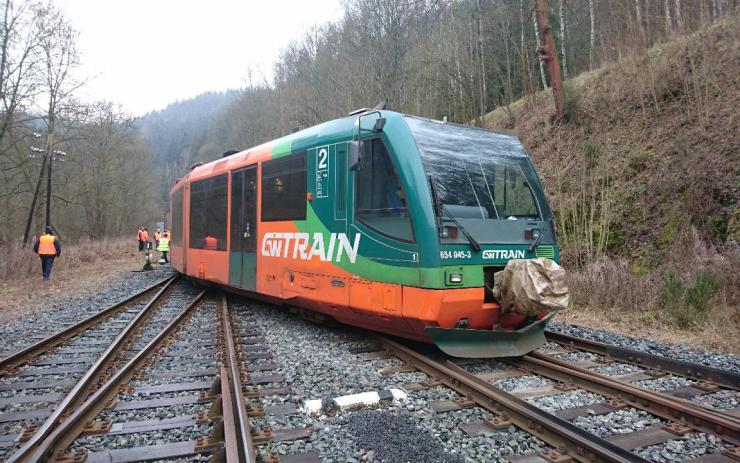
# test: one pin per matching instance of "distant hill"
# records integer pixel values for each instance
(647, 166)
(177, 133)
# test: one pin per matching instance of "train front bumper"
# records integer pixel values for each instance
(467, 343)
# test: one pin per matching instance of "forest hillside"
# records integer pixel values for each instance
(643, 178)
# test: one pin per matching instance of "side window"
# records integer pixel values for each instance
(381, 200)
(176, 226)
(284, 188)
(208, 213)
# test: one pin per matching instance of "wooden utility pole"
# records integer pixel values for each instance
(549, 54)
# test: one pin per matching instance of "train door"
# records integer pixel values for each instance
(242, 256)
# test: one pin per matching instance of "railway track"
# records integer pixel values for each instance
(678, 416)
(182, 380)
(175, 375)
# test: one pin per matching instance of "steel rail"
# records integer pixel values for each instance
(22, 356)
(578, 443)
(244, 431)
(656, 403)
(724, 378)
(720, 414)
(81, 389)
(68, 430)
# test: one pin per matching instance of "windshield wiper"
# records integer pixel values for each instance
(441, 209)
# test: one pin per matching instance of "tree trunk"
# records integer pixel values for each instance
(668, 21)
(526, 68)
(592, 41)
(679, 16)
(539, 55)
(640, 26)
(481, 60)
(563, 40)
(548, 52)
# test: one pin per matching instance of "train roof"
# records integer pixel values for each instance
(339, 129)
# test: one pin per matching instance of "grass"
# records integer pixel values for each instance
(81, 269)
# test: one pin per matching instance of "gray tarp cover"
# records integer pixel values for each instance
(531, 286)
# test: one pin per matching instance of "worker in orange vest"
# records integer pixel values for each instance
(48, 247)
(140, 237)
(157, 236)
(211, 243)
(145, 238)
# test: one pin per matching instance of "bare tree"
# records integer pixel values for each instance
(563, 39)
(668, 20)
(592, 37)
(679, 16)
(481, 60)
(640, 26)
(539, 55)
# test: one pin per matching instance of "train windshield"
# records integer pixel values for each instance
(478, 174)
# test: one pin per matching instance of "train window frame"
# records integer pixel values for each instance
(294, 167)
(356, 205)
(211, 198)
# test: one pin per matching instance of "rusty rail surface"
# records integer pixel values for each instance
(24, 355)
(63, 433)
(724, 378)
(669, 408)
(82, 388)
(579, 444)
(243, 433)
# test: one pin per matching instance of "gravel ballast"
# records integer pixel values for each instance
(669, 350)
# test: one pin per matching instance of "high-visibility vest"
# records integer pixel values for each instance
(211, 243)
(145, 235)
(164, 245)
(46, 246)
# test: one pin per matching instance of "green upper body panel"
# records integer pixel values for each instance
(425, 260)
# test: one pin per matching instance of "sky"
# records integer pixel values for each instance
(145, 54)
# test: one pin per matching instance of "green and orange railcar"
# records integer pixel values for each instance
(381, 220)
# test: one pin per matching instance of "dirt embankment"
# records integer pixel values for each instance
(80, 270)
(643, 178)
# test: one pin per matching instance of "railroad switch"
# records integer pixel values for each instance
(97, 427)
(555, 456)
(71, 456)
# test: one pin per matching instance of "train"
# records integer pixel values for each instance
(381, 220)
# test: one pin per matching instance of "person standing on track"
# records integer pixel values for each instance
(145, 239)
(48, 247)
(163, 246)
(140, 237)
